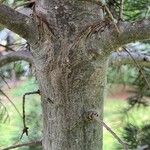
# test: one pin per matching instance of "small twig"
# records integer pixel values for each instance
(25, 129)
(100, 3)
(11, 103)
(7, 114)
(24, 144)
(7, 47)
(111, 17)
(92, 115)
(114, 134)
(87, 32)
(121, 9)
(138, 66)
(3, 78)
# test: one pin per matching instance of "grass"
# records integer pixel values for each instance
(11, 130)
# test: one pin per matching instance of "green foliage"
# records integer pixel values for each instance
(137, 136)
(133, 9)
(123, 75)
(136, 9)
(118, 121)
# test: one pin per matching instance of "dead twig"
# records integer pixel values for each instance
(7, 47)
(92, 115)
(3, 78)
(6, 111)
(111, 17)
(138, 66)
(25, 128)
(11, 102)
(39, 142)
(121, 9)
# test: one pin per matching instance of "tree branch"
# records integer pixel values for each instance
(123, 58)
(110, 39)
(24, 144)
(131, 32)
(17, 22)
(16, 56)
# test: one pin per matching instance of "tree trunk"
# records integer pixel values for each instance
(71, 78)
(70, 41)
(70, 85)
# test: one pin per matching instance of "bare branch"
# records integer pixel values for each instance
(16, 56)
(24, 144)
(25, 129)
(123, 58)
(11, 102)
(17, 22)
(131, 32)
(128, 33)
(7, 47)
(121, 10)
(93, 115)
(3, 78)
(137, 64)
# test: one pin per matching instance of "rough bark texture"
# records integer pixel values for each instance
(17, 22)
(70, 47)
(70, 77)
(67, 94)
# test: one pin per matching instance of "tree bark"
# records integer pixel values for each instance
(19, 23)
(16, 56)
(70, 76)
(67, 94)
(70, 47)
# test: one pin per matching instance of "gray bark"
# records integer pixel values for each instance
(16, 56)
(70, 79)
(67, 94)
(70, 49)
(19, 23)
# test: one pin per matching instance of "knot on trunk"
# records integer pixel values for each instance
(91, 115)
(93, 53)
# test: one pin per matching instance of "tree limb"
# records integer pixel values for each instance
(17, 22)
(16, 56)
(131, 32)
(110, 40)
(123, 58)
(24, 144)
